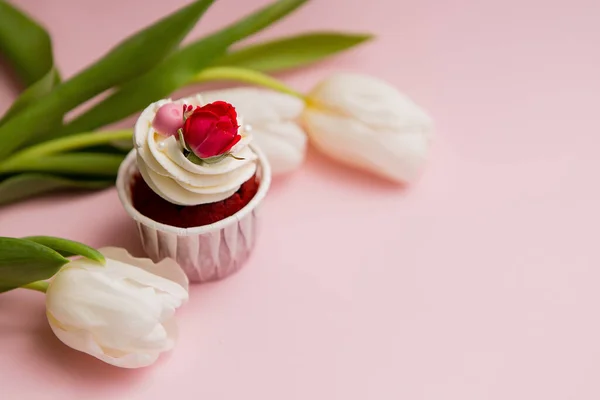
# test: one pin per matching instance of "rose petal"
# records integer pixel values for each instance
(228, 147)
(198, 126)
(215, 143)
(273, 117)
(222, 108)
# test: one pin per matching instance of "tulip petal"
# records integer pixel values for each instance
(106, 303)
(369, 100)
(83, 341)
(157, 338)
(364, 122)
(167, 268)
(398, 157)
(170, 326)
(121, 313)
(284, 143)
(135, 273)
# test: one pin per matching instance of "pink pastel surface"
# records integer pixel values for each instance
(479, 282)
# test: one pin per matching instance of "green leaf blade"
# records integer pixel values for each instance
(24, 186)
(88, 164)
(33, 93)
(25, 44)
(292, 51)
(134, 56)
(24, 261)
(28, 47)
(68, 248)
(177, 70)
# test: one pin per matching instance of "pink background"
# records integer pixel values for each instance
(479, 282)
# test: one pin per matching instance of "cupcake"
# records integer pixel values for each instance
(193, 184)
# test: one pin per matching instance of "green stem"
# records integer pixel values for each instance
(71, 142)
(244, 75)
(40, 286)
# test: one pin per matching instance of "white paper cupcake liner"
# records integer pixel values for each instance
(205, 253)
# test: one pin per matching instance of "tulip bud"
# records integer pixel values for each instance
(121, 313)
(273, 118)
(364, 122)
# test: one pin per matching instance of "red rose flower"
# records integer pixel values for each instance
(211, 130)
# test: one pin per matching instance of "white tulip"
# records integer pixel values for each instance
(121, 313)
(273, 117)
(366, 123)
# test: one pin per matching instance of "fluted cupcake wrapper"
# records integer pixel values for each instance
(205, 253)
(205, 257)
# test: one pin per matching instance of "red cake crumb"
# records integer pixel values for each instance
(147, 202)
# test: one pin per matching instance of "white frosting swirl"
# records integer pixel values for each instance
(176, 179)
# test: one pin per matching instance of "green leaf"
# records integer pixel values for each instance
(94, 164)
(177, 70)
(68, 248)
(25, 44)
(23, 262)
(29, 49)
(132, 57)
(34, 92)
(291, 52)
(23, 186)
(194, 158)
